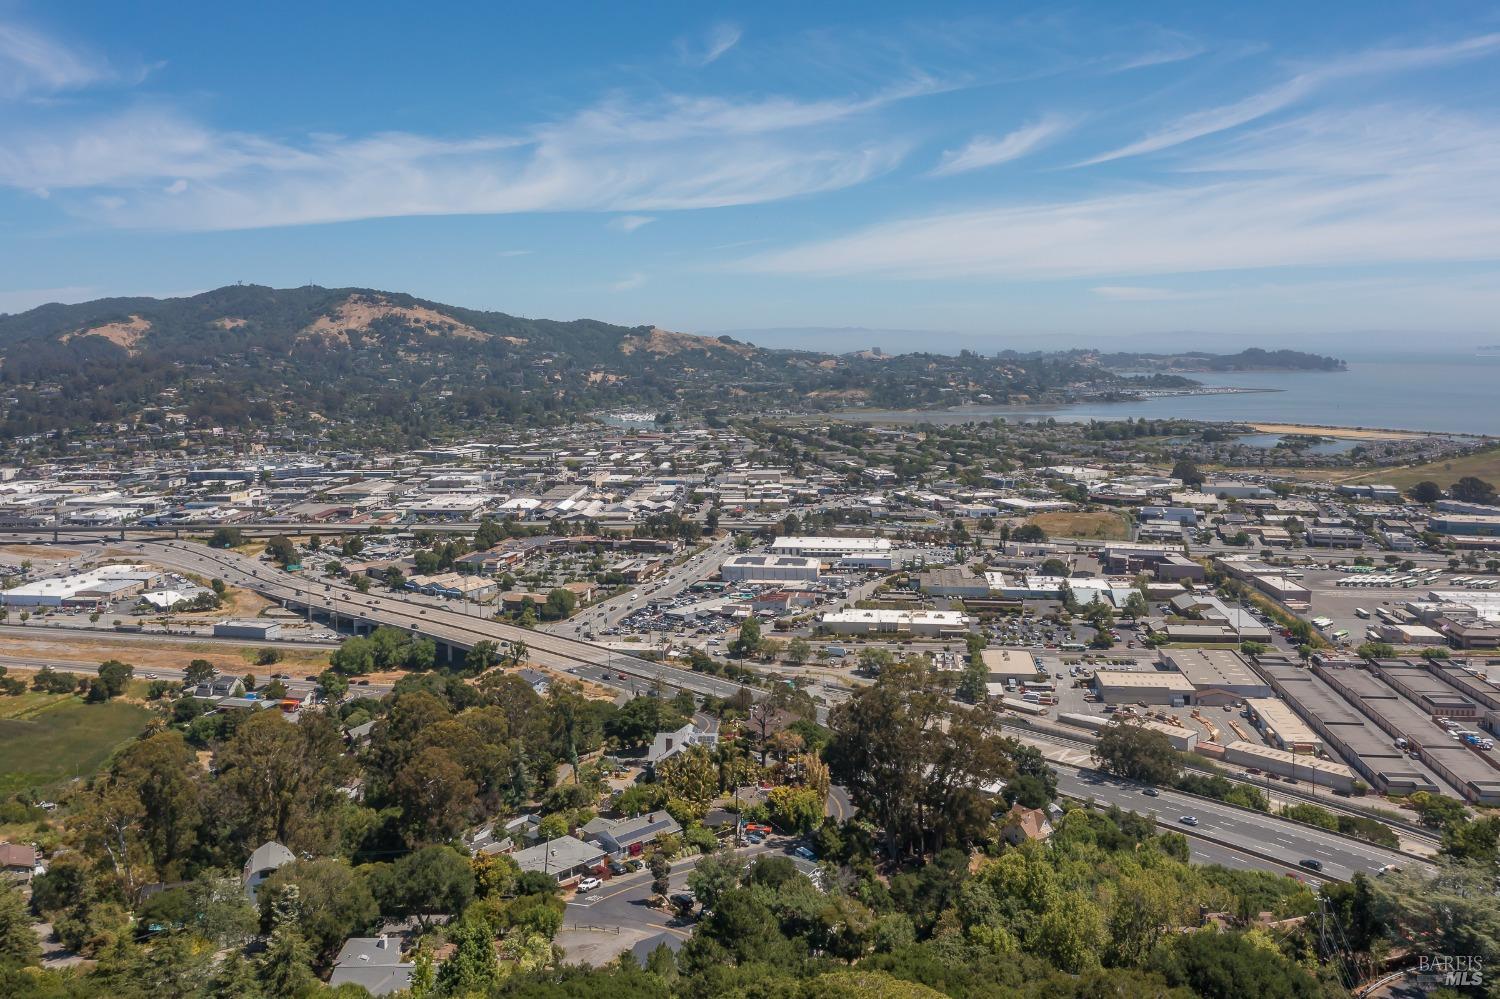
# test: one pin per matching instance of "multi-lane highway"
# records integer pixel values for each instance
(455, 630)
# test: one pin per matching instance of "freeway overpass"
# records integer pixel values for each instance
(454, 632)
(250, 529)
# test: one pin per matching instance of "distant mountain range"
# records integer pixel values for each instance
(376, 365)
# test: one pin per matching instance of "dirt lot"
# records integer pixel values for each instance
(40, 553)
(1483, 464)
(147, 655)
(1102, 526)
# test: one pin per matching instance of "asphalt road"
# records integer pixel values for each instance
(622, 901)
(1237, 828)
(462, 631)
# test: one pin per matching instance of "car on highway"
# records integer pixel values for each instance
(1311, 864)
(588, 885)
(1151, 792)
(1188, 820)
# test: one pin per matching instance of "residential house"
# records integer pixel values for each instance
(18, 862)
(265, 861)
(669, 744)
(628, 837)
(374, 963)
(1023, 824)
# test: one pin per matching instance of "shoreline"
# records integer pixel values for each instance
(1346, 433)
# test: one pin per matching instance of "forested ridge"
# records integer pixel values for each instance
(402, 369)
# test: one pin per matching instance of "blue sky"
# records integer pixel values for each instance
(1290, 172)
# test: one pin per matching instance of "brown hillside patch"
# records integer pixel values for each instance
(664, 342)
(359, 312)
(229, 322)
(122, 334)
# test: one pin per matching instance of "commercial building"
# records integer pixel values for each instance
(1218, 676)
(1429, 692)
(1465, 525)
(926, 623)
(1135, 687)
(1180, 569)
(1183, 515)
(770, 569)
(1127, 557)
(1399, 718)
(1333, 537)
(259, 631)
(960, 583)
(831, 548)
(1347, 732)
(1281, 726)
(84, 589)
(1409, 634)
(1296, 766)
(1009, 664)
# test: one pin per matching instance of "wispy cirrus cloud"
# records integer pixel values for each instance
(1180, 51)
(707, 49)
(153, 167)
(32, 62)
(1336, 188)
(984, 151)
(629, 283)
(630, 223)
(1198, 124)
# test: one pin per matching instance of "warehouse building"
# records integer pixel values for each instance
(1333, 537)
(259, 631)
(926, 623)
(959, 583)
(1464, 525)
(1179, 569)
(1401, 719)
(1295, 766)
(94, 588)
(1409, 634)
(1429, 692)
(831, 548)
(1218, 676)
(1129, 557)
(1347, 732)
(1281, 726)
(770, 569)
(1009, 664)
(1117, 686)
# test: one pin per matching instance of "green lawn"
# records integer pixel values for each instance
(45, 739)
